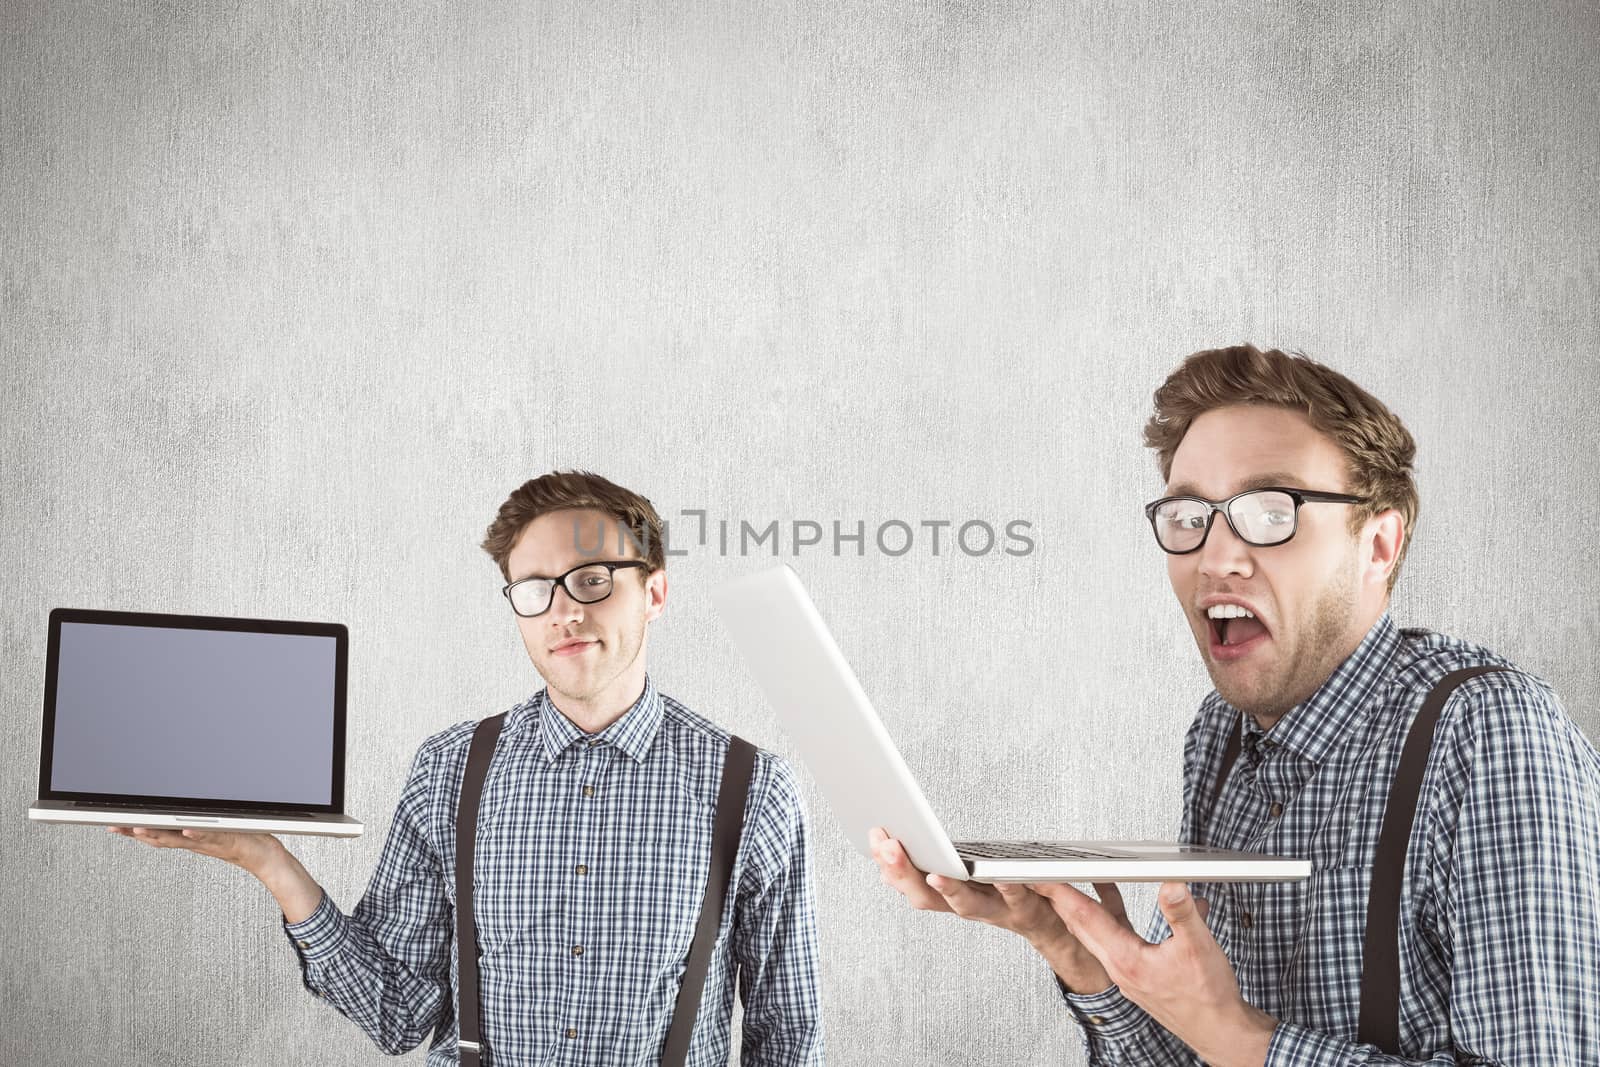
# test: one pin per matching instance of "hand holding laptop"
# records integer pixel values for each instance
(1011, 906)
(262, 855)
(842, 741)
(248, 852)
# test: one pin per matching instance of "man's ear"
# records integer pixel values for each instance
(655, 593)
(1383, 537)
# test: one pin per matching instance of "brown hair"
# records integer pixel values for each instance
(1379, 450)
(562, 490)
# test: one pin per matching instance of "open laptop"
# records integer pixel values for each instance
(839, 736)
(194, 720)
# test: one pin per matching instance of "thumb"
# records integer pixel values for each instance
(1179, 907)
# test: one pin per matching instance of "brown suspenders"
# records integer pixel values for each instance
(736, 772)
(1380, 968)
(478, 756)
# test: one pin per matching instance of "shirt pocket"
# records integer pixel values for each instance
(1323, 982)
(661, 898)
(663, 893)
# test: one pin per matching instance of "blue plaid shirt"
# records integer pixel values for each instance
(591, 860)
(1500, 909)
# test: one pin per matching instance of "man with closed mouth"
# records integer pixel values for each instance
(596, 839)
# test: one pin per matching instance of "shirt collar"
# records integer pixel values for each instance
(1313, 727)
(633, 732)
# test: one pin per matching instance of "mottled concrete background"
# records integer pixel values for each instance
(294, 293)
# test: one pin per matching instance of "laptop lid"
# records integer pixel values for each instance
(828, 717)
(840, 738)
(207, 713)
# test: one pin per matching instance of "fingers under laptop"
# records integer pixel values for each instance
(151, 836)
(970, 900)
(1111, 897)
(896, 870)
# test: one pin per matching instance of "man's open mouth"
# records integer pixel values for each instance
(1235, 631)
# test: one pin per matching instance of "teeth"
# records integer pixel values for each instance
(1229, 611)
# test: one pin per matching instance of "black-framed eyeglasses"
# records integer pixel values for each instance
(587, 583)
(1260, 517)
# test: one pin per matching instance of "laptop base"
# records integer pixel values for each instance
(1121, 861)
(314, 824)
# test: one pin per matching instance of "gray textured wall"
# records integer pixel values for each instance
(294, 293)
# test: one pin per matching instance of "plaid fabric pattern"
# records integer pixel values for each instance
(591, 862)
(1500, 911)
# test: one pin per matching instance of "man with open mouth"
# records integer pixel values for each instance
(1463, 928)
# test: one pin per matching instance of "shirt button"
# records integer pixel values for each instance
(571, 1032)
(1276, 809)
(594, 742)
(1097, 1019)
(588, 790)
(577, 950)
(583, 868)
(303, 944)
(1244, 919)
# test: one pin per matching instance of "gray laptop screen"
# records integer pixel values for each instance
(194, 714)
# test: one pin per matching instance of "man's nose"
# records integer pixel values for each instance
(1224, 551)
(564, 609)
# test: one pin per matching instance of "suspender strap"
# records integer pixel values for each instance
(478, 756)
(1229, 754)
(1380, 958)
(736, 771)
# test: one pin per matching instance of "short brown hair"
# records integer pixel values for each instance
(563, 490)
(1379, 450)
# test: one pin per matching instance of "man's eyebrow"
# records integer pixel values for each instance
(530, 574)
(584, 561)
(1255, 481)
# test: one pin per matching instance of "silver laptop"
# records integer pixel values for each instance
(194, 721)
(832, 724)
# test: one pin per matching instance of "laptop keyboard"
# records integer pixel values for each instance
(1030, 850)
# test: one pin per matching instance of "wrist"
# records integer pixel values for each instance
(271, 862)
(1244, 1043)
(288, 880)
(1075, 966)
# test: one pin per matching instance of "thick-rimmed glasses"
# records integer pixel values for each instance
(1260, 517)
(587, 583)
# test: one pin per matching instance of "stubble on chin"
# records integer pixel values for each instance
(566, 683)
(1317, 657)
(605, 670)
(1258, 702)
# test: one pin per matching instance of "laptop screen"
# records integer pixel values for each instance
(243, 713)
